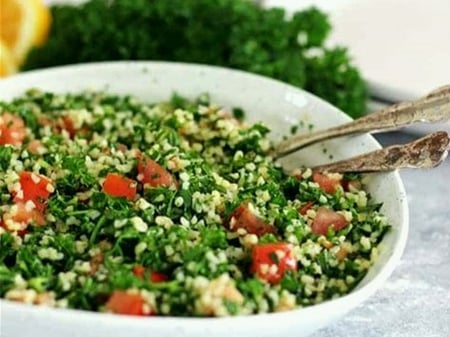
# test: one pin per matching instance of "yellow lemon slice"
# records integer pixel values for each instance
(23, 24)
(7, 62)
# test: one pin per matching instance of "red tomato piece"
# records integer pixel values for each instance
(12, 129)
(25, 216)
(153, 174)
(326, 218)
(326, 183)
(138, 270)
(120, 302)
(34, 187)
(67, 124)
(302, 210)
(271, 260)
(155, 276)
(21, 217)
(20, 232)
(243, 217)
(117, 185)
(63, 123)
(34, 146)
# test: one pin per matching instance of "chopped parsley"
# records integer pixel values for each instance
(173, 206)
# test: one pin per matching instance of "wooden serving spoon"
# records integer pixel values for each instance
(432, 108)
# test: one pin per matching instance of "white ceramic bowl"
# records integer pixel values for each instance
(278, 105)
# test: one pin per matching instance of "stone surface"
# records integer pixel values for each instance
(415, 301)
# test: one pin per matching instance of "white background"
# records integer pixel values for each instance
(402, 46)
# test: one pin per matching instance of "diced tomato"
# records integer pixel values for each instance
(153, 174)
(117, 185)
(327, 184)
(34, 146)
(67, 124)
(63, 123)
(20, 231)
(271, 260)
(302, 210)
(17, 226)
(326, 218)
(21, 217)
(155, 276)
(12, 129)
(139, 270)
(243, 217)
(121, 302)
(34, 187)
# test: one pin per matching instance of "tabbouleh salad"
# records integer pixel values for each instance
(114, 205)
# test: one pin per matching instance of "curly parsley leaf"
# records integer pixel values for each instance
(231, 33)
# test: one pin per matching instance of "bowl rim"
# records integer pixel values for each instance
(356, 296)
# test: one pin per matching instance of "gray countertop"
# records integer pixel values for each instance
(415, 301)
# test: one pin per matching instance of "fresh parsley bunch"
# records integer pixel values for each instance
(231, 33)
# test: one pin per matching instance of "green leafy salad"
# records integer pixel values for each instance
(173, 209)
